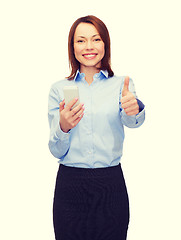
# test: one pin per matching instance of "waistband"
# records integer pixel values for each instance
(90, 172)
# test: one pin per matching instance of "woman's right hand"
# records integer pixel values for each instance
(69, 118)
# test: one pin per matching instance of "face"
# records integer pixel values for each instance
(88, 46)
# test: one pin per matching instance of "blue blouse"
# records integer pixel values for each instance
(97, 140)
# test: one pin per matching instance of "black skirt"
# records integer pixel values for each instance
(90, 204)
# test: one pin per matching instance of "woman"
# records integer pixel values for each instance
(91, 200)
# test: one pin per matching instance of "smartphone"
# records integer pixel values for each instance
(70, 93)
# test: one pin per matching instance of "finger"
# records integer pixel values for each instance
(133, 113)
(125, 87)
(71, 104)
(78, 120)
(131, 109)
(78, 114)
(129, 103)
(76, 109)
(61, 105)
(127, 98)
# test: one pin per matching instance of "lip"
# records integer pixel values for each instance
(89, 56)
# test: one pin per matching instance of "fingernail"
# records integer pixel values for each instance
(76, 99)
(82, 104)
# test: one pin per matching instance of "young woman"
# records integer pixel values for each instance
(91, 200)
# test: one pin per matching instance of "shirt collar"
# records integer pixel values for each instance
(78, 75)
(102, 74)
(105, 73)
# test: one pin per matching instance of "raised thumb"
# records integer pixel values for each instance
(125, 87)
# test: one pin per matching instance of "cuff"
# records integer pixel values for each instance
(133, 121)
(62, 135)
(140, 117)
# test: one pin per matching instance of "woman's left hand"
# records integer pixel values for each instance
(128, 100)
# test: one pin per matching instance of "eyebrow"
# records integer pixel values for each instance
(92, 36)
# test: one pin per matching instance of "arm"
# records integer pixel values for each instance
(58, 141)
(61, 120)
(132, 109)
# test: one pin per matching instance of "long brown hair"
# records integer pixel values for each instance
(103, 31)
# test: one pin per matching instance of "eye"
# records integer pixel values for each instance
(97, 39)
(80, 41)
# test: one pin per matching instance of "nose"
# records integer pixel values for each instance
(89, 45)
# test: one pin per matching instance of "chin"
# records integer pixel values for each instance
(96, 65)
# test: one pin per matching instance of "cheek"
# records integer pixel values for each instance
(77, 49)
(101, 49)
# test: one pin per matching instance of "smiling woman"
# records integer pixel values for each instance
(91, 200)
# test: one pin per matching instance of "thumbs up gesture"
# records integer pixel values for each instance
(128, 100)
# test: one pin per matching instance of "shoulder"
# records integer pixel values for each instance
(56, 89)
(118, 81)
(121, 79)
(60, 84)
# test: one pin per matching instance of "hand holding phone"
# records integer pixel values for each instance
(72, 113)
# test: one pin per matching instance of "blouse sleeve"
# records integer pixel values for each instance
(59, 141)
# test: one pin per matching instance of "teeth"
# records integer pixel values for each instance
(89, 55)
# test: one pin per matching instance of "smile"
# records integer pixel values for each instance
(89, 56)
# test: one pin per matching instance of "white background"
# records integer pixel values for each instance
(145, 40)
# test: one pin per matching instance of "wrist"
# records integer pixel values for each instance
(65, 130)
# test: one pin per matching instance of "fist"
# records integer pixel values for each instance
(128, 100)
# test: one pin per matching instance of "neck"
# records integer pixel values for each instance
(89, 73)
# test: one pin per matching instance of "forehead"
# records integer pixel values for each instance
(86, 30)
